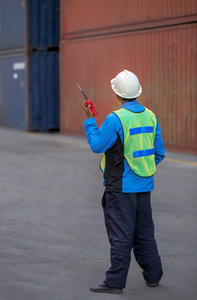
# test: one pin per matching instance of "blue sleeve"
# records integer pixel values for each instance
(159, 145)
(100, 139)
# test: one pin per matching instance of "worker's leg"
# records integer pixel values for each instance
(144, 244)
(119, 213)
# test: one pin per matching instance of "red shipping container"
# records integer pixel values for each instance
(163, 57)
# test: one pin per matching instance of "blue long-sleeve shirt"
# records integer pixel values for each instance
(104, 138)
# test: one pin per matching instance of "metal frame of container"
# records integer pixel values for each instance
(161, 52)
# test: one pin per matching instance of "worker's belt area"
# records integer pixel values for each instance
(142, 153)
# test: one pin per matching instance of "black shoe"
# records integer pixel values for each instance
(152, 284)
(103, 288)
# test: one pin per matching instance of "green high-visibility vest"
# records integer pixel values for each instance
(139, 135)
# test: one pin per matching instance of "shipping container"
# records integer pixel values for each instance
(43, 91)
(164, 59)
(93, 17)
(12, 91)
(12, 24)
(31, 24)
(42, 23)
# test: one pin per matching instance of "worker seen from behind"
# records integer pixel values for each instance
(131, 141)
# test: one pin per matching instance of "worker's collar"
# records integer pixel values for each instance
(133, 106)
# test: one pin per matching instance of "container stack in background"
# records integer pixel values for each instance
(155, 39)
(29, 64)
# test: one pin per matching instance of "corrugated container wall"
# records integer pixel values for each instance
(78, 17)
(42, 24)
(12, 24)
(162, 54)
(43, 87)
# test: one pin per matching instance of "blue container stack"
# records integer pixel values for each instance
(37, 55)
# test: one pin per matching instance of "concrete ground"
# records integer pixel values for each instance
(53, 243)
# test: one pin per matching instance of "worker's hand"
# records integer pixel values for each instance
(88, 111)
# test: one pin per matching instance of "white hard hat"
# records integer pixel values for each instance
(126, 85)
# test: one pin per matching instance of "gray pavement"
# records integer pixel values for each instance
(53, 243)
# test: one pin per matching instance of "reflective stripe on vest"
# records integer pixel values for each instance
(139, 135)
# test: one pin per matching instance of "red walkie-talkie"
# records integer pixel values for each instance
(88, 102)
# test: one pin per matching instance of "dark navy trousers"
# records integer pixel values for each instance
(129, 225)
